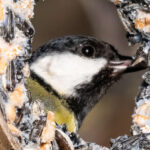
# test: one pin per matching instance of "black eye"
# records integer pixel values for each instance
(88, 51)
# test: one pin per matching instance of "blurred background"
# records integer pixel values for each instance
(53, 18)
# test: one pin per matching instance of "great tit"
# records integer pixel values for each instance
(71, 74)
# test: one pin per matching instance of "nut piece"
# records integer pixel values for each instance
(142, 117)
(3, 65)
(142, 22)
(116, 1)
(45, 147)
(48, 133)
(10, 112)
(1, 12)
(14, 130)
(16, 97)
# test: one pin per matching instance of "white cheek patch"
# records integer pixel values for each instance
(65, 71)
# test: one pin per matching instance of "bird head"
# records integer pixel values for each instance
(80, 69)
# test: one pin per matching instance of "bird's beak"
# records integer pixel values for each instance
(119, 66)
(127, 65)
(137, 64)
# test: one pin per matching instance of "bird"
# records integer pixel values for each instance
(70, 74)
